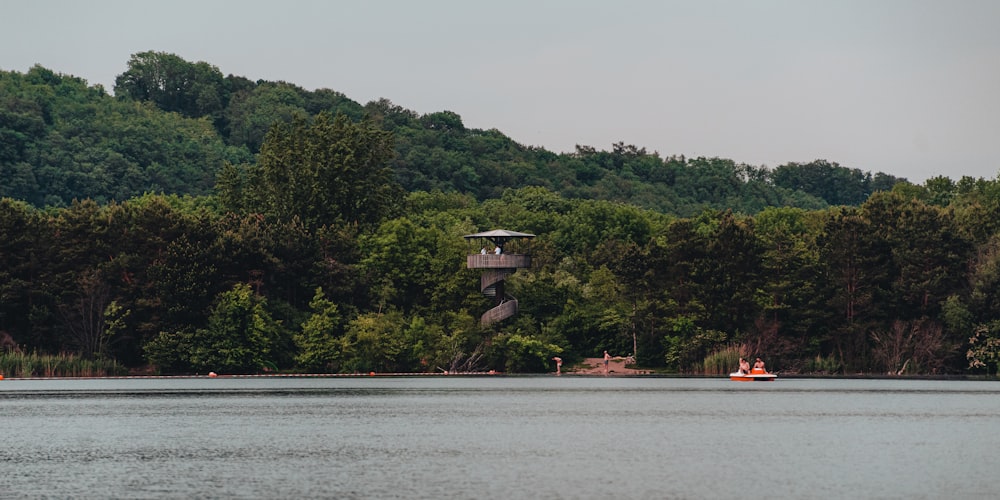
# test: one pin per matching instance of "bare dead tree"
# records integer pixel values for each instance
(892, 347)
(84, 314)
(463, 363)
(920, 343)
(930, 347)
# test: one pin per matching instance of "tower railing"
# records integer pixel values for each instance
(502, 261)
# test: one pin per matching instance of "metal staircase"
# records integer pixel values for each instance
(497, 267)
(492, 285)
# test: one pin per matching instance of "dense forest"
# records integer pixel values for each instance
(194, 222)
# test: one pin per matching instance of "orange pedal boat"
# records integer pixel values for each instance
(755, 375)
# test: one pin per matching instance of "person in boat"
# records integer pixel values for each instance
(744, 366)
(759, 365)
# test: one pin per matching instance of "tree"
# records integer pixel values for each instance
(241, 337)
(20, 227)
(85, 314)
(192, 89)
(984, 348)
(251, 113)
(327, 172)
(596, 315)
(831, 182)
(984, 282)
(523, 353)
(910, 347)
(731, 273)
(399, 259)
(928, 253)
(62, 140)
(184, 279)
(389, 115)
(794, 304)
(422, 345)
(320, 342)
(637, 281)
(856, 262)
(687, 345)
(374, 342)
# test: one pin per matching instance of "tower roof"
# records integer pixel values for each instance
(499, 233)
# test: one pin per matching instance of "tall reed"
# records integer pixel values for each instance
(823, 365)
(25, 365)
(723, 361)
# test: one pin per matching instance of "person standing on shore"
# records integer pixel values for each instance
(607, 359)
(558, 361)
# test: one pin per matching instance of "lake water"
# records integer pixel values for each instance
(547, 437)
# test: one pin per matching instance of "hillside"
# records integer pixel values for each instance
(286, 242)
(172, 124)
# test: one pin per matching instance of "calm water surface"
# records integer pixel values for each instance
(499, 437)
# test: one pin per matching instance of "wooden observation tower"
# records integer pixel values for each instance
(501, 253)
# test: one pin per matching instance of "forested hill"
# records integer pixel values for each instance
(172, 124)
(306, 254)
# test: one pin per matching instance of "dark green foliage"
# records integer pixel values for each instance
(984, 282)
(521, 353)
(831, 182)
(62, 140)
(251, 112)
(241, 337)
(327, 172)
(320, 342)
(193, 90)
(730, 273)
(856, 286)
(20, 227)
(310, 258)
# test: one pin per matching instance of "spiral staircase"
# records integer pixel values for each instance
(497, 267)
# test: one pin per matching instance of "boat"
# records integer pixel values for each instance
(755, 375)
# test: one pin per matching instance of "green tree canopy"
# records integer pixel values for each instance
(192, 89)
(328, 171)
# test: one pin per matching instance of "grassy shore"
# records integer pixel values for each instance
(28, 365)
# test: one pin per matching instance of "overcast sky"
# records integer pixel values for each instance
(906, 87)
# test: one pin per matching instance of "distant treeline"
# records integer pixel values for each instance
(894, 286)
(312, 243)
(172, 124)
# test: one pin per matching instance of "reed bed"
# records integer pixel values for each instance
(823, 365)
(32, 365)
(722, 362)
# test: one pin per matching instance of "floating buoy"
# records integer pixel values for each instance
(371, 374)
(212, 375)
(1, 377)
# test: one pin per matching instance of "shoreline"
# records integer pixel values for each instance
(590, 373)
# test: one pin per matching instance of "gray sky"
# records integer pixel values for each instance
(906, 87)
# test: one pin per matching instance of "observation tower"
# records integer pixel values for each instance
(501, 254)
